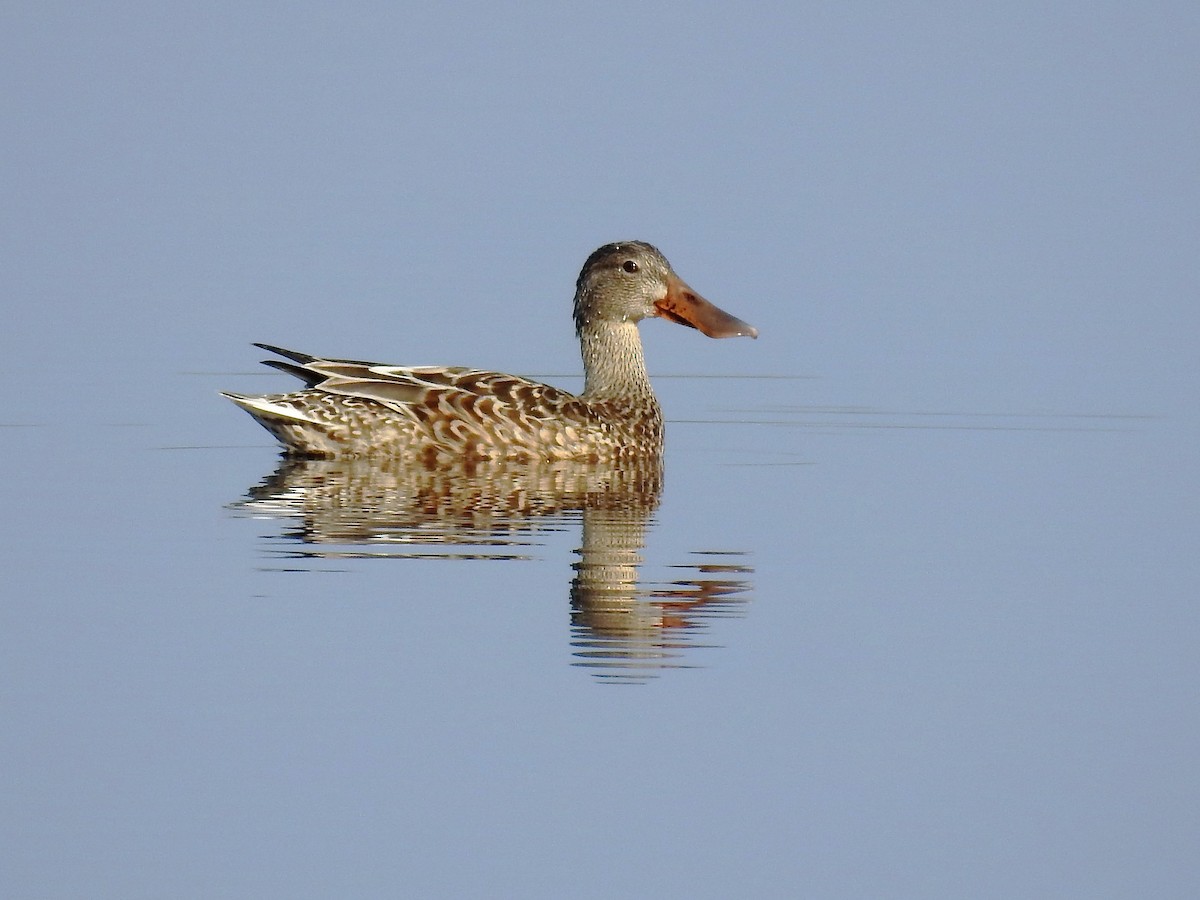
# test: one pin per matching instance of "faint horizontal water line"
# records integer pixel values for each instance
(804, 417)
(707, 376)
(897, 426)
(868, 411)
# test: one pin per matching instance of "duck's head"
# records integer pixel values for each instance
(630, 280)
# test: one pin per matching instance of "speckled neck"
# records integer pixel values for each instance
(613, 363)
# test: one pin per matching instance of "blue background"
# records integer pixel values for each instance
(968, 237)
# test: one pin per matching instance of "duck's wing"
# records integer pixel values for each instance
(425, 391)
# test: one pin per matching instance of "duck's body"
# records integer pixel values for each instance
(364, 409)
(352, 408)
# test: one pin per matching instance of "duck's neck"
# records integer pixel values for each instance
(613, 363)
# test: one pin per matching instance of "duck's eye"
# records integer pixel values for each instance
(629, 266)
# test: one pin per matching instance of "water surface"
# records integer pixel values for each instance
(931, 646)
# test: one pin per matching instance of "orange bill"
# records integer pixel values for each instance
(685, 306)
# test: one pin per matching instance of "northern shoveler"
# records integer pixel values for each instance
(355, 408)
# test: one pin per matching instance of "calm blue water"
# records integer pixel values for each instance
(891, 651)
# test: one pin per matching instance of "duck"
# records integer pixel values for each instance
(354, 408)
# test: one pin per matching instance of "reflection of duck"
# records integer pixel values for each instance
(492, 510)
(351, 408)
(626, 629)
(421, 503)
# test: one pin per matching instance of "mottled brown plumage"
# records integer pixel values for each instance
(353, 408)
